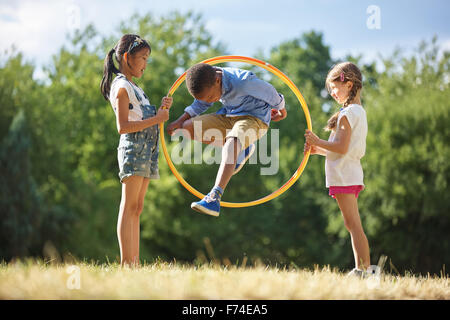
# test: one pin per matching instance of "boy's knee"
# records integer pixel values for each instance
(233, 142)
(231, 148)
(189, 127)
(229, 143)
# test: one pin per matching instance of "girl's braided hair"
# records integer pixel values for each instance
(344, 71)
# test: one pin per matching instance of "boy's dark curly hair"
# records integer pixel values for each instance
(199, 77)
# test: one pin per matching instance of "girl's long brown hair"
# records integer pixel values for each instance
(344, 71)
(130, 43)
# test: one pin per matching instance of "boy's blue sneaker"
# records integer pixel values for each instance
(208, 205)
(243, 157)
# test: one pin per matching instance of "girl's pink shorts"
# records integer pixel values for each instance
(345, 189)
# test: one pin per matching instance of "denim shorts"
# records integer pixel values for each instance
(137, 153)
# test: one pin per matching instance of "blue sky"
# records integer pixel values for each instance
(38, 28)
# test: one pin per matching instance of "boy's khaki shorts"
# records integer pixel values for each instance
(218, 127)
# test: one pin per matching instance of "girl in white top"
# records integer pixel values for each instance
(343, 151)
(137, 123)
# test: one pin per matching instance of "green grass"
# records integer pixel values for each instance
(31, 279)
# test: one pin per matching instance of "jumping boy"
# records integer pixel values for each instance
(249, 104)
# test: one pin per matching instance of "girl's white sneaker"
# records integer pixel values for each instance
(356, 273)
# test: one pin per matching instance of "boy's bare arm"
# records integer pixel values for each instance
(278, 115)
(177, 124)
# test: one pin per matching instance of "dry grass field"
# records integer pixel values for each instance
(173, 281)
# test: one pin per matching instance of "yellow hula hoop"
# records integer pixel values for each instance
(290, 84)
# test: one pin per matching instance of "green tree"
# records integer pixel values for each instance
(27, 221)
(17, 87)
(20, 201)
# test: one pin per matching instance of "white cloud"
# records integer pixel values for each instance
(445, 45)
(36, 28)
(39, 28)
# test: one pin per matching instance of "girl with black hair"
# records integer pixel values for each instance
(137, 123)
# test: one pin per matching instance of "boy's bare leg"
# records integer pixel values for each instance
(228, 163)
(230, 151)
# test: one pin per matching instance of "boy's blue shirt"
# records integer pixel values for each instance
(243, 94)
